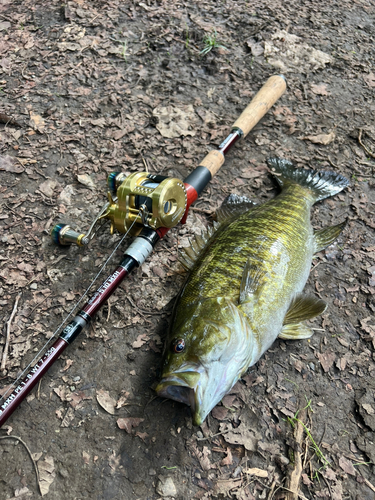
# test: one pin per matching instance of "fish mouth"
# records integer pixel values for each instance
(184, 387)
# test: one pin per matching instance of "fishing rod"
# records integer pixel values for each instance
(146, 206)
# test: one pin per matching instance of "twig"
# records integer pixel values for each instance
(299, 495)
(29, 452)
(214, 435)
(7, 338)
(109, 309)
(294, 476)
(369, 484)
(364, 147)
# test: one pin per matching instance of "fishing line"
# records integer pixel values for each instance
(49, 341)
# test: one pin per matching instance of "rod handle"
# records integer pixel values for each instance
(267, 96)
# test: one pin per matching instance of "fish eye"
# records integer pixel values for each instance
(178, 345)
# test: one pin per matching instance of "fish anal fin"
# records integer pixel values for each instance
(326, 236)
(295, 331)
(233, 206)
(304, 307)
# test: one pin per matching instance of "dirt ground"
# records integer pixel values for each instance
(81, 81)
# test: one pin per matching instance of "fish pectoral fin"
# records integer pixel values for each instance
(233, 206)
(326, 236)
(252, 281)
(295, 331)
(304, 307)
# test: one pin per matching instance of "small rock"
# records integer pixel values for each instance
(33, 286)
(166, 487)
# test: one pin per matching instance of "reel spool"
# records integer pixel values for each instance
(137, 201)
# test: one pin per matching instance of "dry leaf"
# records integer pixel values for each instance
(4, 25)
(66, 194)
(243, 435)
(86, 180)
(48, 187)
(142, 435)
(122, 400)
(320, 89)
(370, 79)
(256, 472)
(37, 122)
(368, 408)
(224, 486)
(347, 466)
(321, 138)
(129, 423)
(174, 122)
(99, 122)
(10, 164)
(22, 493)
(77, 397)
(288, 52)
(46, 474)
(86, 457)
(326, 359)
(105, 401)
(256, 48)
(141, 339)
(69, 416)
(228, 460)
(68, 364)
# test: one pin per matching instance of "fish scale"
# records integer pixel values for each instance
(245, 288)
(285, 217)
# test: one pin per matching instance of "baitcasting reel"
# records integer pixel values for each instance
(136, 201)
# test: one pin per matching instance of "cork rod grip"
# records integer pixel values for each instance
(213, 161)
(270, 92)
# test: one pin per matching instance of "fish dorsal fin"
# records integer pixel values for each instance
(304, 307)
(326, 236)
(295, 332)
(189, 255)
(233, 206)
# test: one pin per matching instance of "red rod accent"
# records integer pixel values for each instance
(31, 379)
(105, 291)
(192, 195)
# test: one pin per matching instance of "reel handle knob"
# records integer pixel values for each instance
(64, 235)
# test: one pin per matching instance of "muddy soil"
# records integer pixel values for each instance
(79, 85)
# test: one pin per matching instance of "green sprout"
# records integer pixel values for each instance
(210, 42)
(187, 39)
(316, 448)
(124, 47)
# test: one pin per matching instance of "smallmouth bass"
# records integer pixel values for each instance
(245, 287)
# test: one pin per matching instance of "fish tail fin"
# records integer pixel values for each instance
(321, 183)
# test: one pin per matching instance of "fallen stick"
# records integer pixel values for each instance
(294, 476)
(16, 438)
(7, 338)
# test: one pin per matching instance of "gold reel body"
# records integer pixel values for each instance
(136, 201)
(147, 200)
